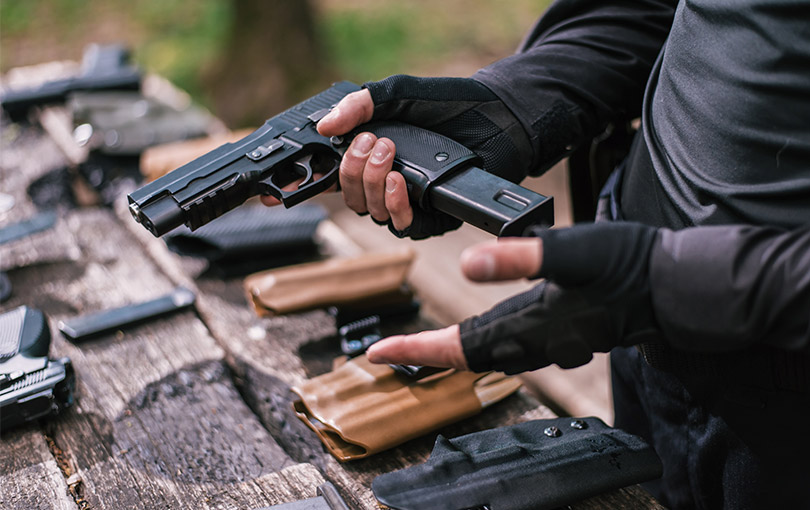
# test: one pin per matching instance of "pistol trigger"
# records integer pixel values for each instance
(305, 163)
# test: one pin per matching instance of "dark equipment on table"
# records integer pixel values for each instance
(36, 223)
(536, 465)
(125, 123)
(252, 239)
(5, 287)
(441, 174)
(117, 126)
(357, 336)
(89, 326)
(396, 311)
(31, 385)
(103, 68)
(328, 498)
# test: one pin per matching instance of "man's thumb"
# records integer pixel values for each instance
(506, 259)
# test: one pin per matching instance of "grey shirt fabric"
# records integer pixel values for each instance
(725, 140)
(727, 113)
(721, 288)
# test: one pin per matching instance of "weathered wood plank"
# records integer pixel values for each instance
(17, 170)
(158, 421)
(269, 355)
(29, 475)
(627, 498)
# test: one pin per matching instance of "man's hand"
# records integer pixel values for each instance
(366, 179)
(436, 348)
(354, 109)
(507, 259)
(597, 296)
(461, 109)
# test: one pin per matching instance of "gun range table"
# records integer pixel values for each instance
(191, 410)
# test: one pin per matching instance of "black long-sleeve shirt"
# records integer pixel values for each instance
(723, 90)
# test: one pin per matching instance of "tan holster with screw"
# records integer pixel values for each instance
(361, 408)
(375, 278)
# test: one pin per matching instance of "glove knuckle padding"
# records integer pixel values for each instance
(559, 327)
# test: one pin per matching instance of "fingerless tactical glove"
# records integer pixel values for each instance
(464, 110)
(596, 297)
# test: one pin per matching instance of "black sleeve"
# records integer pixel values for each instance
(702, 289)
(724, 288)
(583, 65)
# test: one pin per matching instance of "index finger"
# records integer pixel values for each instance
(353, 110)
(436, 348)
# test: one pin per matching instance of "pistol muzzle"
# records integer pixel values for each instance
(158, 216)
(135, 211)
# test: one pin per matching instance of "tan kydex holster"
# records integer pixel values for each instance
(361, 408)
(375, 278)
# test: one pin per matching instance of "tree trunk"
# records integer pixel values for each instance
(272, 60)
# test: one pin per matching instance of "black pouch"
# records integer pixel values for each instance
(252, 238)
(536, 465)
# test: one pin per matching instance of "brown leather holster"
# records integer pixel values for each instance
(375, 278)
(361, 408)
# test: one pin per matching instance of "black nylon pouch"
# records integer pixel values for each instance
(252, 238)
(536, 465)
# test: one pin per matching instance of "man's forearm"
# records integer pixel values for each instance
(724, 288)
(702, 289)
(583, 65)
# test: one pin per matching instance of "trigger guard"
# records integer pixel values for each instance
(304, 163)
(305, 189)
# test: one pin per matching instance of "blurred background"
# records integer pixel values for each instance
(248, 59)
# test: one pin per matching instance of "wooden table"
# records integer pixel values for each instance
(189, 411)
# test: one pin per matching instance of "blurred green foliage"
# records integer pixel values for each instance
(191, 34)
(371, 40)
(174, 38)
(180, 39)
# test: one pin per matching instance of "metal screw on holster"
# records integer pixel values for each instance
(579, 425)
(552, 432)
(442, 156)
(255, 154)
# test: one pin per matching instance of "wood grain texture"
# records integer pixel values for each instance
(158, 422)
(18, 169)
(29, 475)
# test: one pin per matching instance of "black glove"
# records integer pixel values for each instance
(596, 297)
(464, 110)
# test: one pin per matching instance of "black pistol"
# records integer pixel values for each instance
(31, 385)
(441, 174)
(104, 67)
